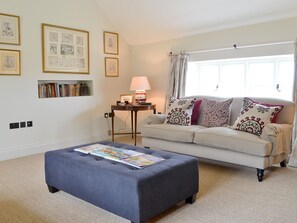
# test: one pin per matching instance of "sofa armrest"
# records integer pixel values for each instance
(280, 137)
(155, 119)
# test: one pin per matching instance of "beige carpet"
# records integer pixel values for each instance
(227, 194)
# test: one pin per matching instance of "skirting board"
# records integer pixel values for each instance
(26, 150)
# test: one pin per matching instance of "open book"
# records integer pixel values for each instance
(129, 157)
(90, 148)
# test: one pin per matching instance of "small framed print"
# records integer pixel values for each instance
(111, 67)
(126, 97)
(111, 43)
(10, 29)
(10, 62)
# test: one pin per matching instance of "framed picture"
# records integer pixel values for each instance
(10, 62)
(111, 43)
(111, 67)
(10, 29)
(64, 50)
(126, 97)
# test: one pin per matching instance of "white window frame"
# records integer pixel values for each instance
(196, 67)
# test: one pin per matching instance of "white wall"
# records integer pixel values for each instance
(57, 122)
(153, 60)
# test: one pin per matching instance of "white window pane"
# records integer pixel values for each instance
(285, 79)
(192, 80)
(260, 79)
(208, 79)
(232, 80)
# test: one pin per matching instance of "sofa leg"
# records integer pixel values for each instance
(191, 200)
(52, 189)
(260, 174)
(283, 163)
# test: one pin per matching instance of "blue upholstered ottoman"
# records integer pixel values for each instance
(135, 194)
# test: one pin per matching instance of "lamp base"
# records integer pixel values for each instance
(140, 96)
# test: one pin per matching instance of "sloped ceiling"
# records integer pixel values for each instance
(146, 21)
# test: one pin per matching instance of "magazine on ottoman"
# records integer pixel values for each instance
(126, 156)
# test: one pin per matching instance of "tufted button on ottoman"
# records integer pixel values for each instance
(134, 194)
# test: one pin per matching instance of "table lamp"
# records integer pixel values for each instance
(140, 84)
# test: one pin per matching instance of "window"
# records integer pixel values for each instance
(259, 76)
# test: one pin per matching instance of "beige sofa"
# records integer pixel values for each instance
(223, 143)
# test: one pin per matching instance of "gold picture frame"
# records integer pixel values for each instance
(10, 62)
(65, 50)
(111, 43)
(10, 29)
(111, 67)
(126, 97)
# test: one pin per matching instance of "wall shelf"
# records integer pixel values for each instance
(64, 88)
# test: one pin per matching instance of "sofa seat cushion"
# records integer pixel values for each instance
(234, 140)
(176, 133)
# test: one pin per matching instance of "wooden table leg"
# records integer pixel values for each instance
(132, 123)
(112, 125)
(135, 129)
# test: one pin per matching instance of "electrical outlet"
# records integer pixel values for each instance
(109, 132)
(29, 123)
(14, 125)
(107, 115)
(23, 124)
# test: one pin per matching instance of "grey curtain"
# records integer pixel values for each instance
(177, 76)
(293, 158)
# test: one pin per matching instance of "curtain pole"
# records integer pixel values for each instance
(235, 46)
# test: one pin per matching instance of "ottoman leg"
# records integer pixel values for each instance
(52, 189)
(191, 200)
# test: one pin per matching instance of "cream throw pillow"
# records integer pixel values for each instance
(179, 111)
(254, 116)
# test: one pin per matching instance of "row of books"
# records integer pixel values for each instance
(126, 156)
(52, 90)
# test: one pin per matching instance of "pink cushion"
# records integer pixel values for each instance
(195, 113)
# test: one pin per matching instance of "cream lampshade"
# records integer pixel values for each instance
(140, 84)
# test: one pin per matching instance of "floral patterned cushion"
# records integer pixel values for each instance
(274, 120)
(179, 111)
(215, 113)
(254, 116)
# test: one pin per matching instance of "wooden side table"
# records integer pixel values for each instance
(134, 109)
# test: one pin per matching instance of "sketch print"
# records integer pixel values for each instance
(67, 38)
(7, 29)
(80, 51)
(67, 49)
(53, 61)
(53, 36)
(81, 63)
(67, 62)
(111, 43)
(79, 40)
(9, 62)
(111, 67)
(53, 49)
